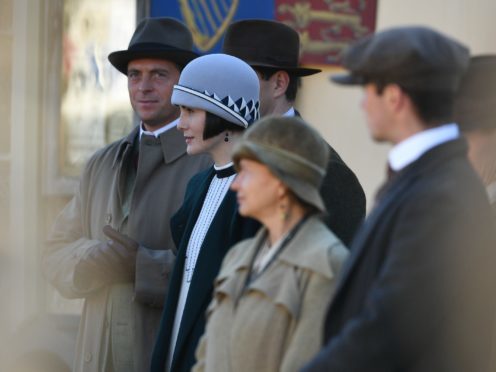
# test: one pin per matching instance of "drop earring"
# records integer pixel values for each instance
(284, 211)
(226, 138)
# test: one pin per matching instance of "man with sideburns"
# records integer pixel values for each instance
(112, 245)
(272, 49)
(417, 292)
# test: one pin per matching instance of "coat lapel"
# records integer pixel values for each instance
(211, 255)
(121, 163)
(181, 227)
(183, 221)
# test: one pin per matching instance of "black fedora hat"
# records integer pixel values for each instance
(163, 38)
(265, 43)
(475, 105)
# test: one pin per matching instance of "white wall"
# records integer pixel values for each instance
(335, 110)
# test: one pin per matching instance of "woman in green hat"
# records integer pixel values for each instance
(271, 294)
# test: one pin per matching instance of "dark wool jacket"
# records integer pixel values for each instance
(417, 293)
(343, 197)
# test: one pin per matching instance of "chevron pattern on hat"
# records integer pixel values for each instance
(250, 110)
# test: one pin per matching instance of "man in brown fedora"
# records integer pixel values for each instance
(112, 245)
(272, 49)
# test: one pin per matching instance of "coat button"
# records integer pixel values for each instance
(108, 218)
(87, 357)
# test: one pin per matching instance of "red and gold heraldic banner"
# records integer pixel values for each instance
(327, 27)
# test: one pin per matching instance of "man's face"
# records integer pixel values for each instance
(273, 88)
(266, 94)
(376, 113)
(150, 83)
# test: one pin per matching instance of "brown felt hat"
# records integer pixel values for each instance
(162, 38)
(415, 57)
(265, 43)
(475, 105)
(296, 154)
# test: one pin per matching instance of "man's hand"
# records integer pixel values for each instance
(112, 261)
(121, 247)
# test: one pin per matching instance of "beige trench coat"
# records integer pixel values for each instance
(123, 317)
(276, 323)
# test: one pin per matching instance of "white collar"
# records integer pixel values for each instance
(159, 131)
(290, 112)
(491, 192)
(409, 150)
(225, 166)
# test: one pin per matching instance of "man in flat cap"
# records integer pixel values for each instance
(272, 49)
(417, 292)
(112, 244)
(475, 113)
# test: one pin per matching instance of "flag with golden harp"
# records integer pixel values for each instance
(207, 19)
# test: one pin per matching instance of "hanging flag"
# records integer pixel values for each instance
(326, 27)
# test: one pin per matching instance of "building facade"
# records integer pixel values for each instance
(40, 152)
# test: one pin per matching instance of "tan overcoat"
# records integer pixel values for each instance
(121, 319)
(275, 322)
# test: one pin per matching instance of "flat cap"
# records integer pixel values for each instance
(475, 104)
(413, 57)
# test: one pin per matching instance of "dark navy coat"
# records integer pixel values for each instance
(227, 228)
(417, 294)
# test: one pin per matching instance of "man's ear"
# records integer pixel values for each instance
(280, 82)
(394, 97)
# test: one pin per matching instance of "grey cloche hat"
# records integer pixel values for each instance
(475, 104)
(222, 85)
(163, 38)
(266, 43)
(292, 150)
(413, 57)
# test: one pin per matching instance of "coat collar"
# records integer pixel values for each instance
(308, 249)
(172, 142)
(124, 145)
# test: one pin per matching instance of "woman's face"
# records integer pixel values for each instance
(259, 192)
(192, 124)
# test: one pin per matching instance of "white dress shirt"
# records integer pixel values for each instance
(409, 150)
(159, 131)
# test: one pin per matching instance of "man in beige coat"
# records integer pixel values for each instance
(134, 185)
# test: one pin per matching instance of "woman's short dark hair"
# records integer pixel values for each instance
(215, 125)
(433, 107)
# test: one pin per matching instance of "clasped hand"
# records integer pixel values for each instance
(111, 261)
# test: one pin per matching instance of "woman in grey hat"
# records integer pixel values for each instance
(272, 291)
(219, 97)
